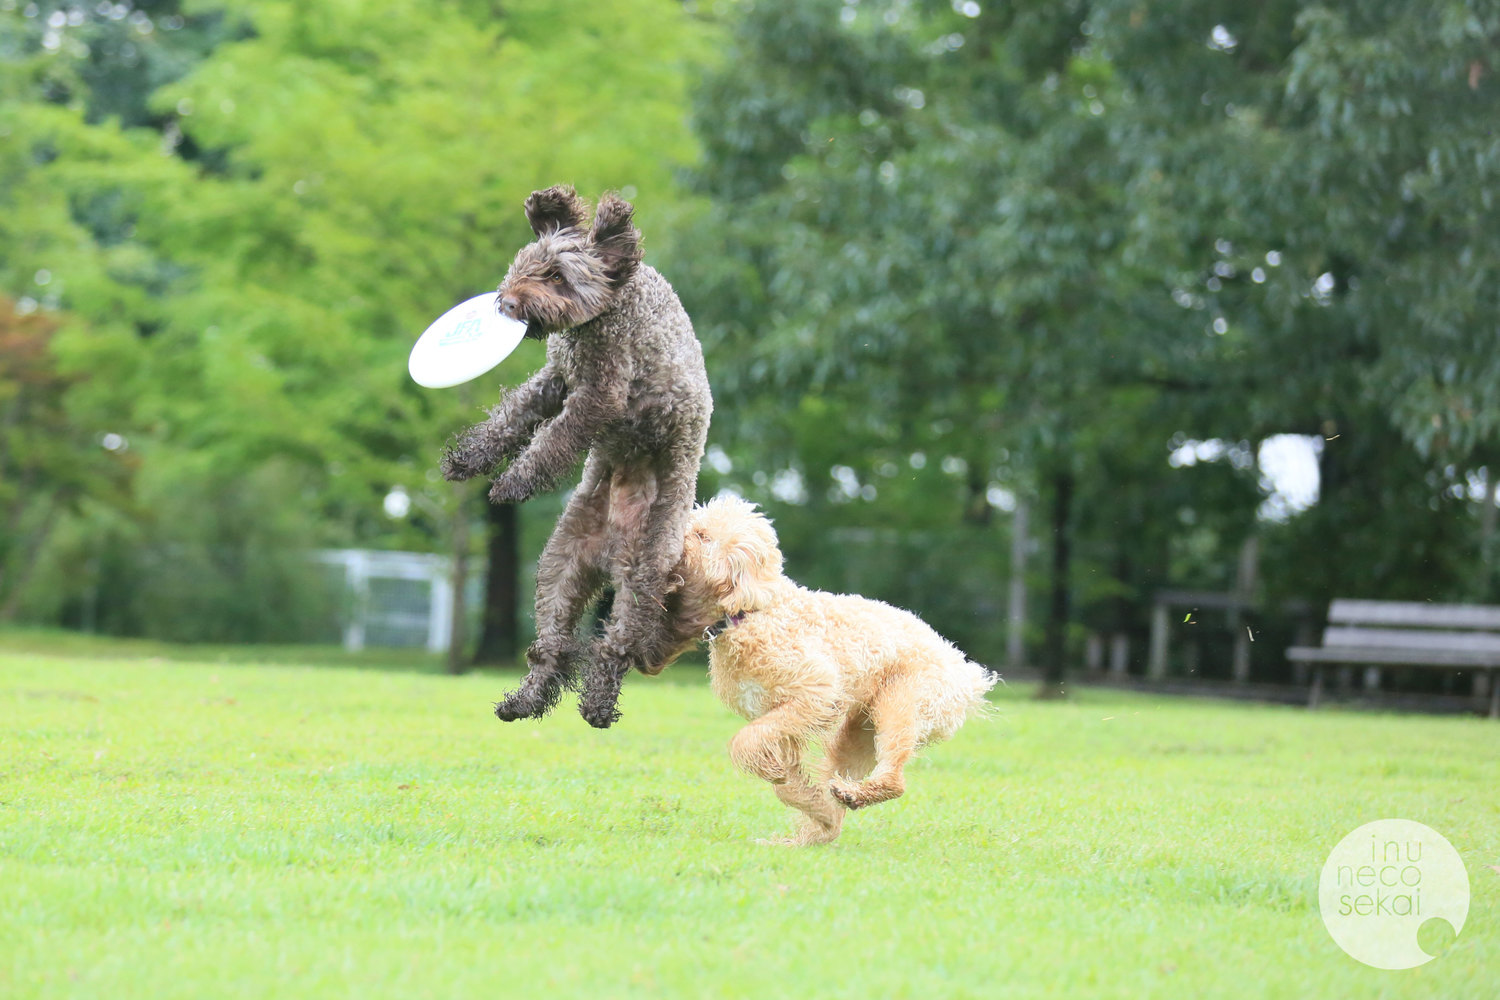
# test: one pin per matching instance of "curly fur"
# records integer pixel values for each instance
(872, 683)
(624, 381)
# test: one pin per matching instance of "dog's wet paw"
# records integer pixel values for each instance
(506, 490)
(599, 716)
(457, 467)
(514, 708)
(535, 697)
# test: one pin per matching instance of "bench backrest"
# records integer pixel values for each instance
(1414, 625)
(1413, 614)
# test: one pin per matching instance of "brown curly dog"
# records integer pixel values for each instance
(624, 381)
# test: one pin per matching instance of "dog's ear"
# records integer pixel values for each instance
(615, 238)
(555, 208)
(750, 568)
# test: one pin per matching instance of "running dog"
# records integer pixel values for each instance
(872, 683)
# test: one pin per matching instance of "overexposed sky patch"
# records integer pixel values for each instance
(1288, 466)
(1287, 463)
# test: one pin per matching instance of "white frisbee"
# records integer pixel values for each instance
(464, 343)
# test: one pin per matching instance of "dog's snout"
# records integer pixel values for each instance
(509, 305)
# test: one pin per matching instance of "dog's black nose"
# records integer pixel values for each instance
(508, 306)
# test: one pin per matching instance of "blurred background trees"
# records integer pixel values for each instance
(1052, 246)
(306, 184)
(1091, 261)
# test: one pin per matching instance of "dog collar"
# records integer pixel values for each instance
(719, 627)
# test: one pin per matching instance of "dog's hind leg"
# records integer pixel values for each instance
(897, 737)
(648, 518)
(569, 574)
(851, 751)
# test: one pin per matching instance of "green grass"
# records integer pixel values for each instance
(62, 643)
(179, 829)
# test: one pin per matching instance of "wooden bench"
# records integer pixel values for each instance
(1407, 634)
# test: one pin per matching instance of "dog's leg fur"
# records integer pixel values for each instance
(569, 575)
(479, 450)
(640, 633)
(897, 737)
(771, 748)
(760, 748)
(823, 817)
(559, 441)
(851, 751)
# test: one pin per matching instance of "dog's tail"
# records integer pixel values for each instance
(960, 696)
(980, 680)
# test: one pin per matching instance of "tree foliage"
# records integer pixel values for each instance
(1052, 241)
(946, 257)
(250, 249)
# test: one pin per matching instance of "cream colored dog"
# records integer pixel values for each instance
(871, 683)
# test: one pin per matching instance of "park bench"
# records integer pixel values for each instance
(1408, 634)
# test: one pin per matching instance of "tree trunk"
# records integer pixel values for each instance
(13, 585)
(977, 509)
(1053, 670)
(1015, 638)
(1487, 530)
(499, 634)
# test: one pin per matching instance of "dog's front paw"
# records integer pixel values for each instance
(778, 841)
(809, 834)
(456, 467)
(527, 702)
(507, 490)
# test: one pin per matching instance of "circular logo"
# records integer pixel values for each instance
(1383, 882)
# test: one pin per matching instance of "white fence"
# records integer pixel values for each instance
(395, 598)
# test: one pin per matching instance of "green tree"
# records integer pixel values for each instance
(936, 248)
(80, 294)
(335, 176)
(50, 463)
(1040, 240)
(1326, 172)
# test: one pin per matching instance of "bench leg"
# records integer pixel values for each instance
(1495, 694)
(1315, 694)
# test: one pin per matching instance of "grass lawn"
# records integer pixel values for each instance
(171, 828)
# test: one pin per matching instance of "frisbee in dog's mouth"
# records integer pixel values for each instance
(464, 343)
